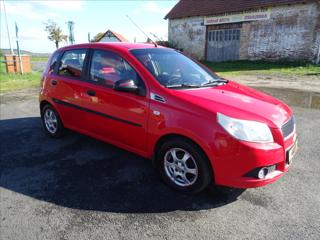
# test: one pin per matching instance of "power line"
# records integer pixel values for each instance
(8, 32)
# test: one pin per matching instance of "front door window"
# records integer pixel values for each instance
(107, 68)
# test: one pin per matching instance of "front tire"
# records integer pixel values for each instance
(184, 166)
(51, 122)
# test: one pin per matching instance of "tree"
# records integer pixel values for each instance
(97, 37)
(55, 32)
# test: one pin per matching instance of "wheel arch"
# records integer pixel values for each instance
(170, 136)
(44, 103)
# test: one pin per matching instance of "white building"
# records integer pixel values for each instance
(218, 30)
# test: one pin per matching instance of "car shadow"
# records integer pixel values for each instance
(82, 173)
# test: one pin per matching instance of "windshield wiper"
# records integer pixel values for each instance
(184, 85)
(215, 82)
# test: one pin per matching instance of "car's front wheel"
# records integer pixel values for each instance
(51, 121)
(184, 166)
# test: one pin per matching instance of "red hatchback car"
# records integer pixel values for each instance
(196, 126)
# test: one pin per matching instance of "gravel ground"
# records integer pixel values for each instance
(300, 82)
(80, 188)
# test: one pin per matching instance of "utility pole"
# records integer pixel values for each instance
(8, 32)
(89, 38)
(71, 33)
(18, 49)
(318, 57)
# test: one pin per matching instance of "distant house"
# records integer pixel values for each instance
(111, 36)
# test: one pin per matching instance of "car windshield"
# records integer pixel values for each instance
(174, 70)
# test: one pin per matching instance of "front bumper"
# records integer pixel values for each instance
(237, 158)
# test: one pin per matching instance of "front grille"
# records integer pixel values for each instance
(288, 127)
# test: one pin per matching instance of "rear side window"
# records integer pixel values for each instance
(71, 64)
(53, 62)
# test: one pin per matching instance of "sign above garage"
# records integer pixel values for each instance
(260, 14)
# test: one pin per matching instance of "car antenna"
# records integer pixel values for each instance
(154, 43)
(159, 39)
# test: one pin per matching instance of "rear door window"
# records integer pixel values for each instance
(53, 62)
(71, 64)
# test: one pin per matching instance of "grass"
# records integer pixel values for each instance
(16, 81)
(238, 68)
(39, 59)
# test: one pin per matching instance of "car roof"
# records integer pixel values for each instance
(113, 45)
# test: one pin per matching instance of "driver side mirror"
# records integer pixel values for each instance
(126, 85)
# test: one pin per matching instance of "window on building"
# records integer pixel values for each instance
(236, 34)
(226, 35)
(221, 36)
(230, 34)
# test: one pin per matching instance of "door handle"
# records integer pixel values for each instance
(54, 82)
(91, 93)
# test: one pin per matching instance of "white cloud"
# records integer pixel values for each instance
(63, 5)
(41, 9)
(151, 7)
(32, 34)
(24, 9)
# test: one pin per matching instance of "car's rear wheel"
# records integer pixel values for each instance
(184, 166)
(51, 121)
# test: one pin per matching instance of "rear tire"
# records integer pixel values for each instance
(183, 166)
(52, 122)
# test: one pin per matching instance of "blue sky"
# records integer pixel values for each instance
(89, 16)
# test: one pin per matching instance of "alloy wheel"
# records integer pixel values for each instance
(180, 167)
(51, 121)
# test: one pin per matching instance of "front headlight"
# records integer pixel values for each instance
(245, 130)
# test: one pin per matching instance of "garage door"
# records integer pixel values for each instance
(223, 45)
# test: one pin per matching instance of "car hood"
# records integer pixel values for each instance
(238, 101)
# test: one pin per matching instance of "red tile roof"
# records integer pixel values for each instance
(117, 35)
(191, 8)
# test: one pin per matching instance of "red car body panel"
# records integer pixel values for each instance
(131, 123)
